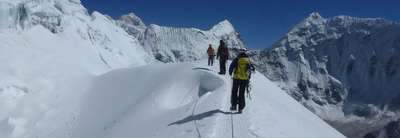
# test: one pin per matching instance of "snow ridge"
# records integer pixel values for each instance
(193, 105)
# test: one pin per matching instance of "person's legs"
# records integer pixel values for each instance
(209, 60)
(234, 95)
(242, 90)
(222, 66)
(212, 60)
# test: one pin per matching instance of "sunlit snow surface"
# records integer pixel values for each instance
(164, 100)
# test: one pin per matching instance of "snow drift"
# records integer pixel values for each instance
(169, 100)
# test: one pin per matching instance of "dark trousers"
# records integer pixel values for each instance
(210, 60)
(238, 91)
(222, 66)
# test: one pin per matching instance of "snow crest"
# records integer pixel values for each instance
(193, 105)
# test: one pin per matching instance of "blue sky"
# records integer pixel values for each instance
(260, 22)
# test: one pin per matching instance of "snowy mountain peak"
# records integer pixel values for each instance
(132, 19)
(311, 27)
(315, 15)
(223, 27)
(314, 19)
(225, 23)
(343, 65)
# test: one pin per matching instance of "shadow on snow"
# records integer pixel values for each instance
(200, 116)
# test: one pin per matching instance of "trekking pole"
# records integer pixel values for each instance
(249, 96)
(248, 91)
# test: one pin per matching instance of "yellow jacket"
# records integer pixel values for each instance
(241, 68)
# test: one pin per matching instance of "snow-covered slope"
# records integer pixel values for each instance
(46, 48)
(339, 67)
(170, 44)
(165, 100)
(96, 34)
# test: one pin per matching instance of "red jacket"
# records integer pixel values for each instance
(210, 51)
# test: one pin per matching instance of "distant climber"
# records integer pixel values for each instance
(211, 55)
(241, 68)
(223, 55)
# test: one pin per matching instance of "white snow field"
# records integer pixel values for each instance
(185, 100)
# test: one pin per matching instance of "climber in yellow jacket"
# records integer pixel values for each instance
(241, 68)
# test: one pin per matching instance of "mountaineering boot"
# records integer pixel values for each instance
(240, 111)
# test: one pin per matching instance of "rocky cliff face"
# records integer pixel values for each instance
(391, 130)
(339, 67)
